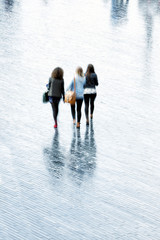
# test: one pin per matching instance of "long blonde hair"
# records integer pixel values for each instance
(79, 71)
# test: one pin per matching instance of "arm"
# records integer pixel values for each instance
(48, 84)
(63, 89)
(96, 81)
(71, 86)
(84, 84)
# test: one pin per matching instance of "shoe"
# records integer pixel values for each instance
(91, 116)
(55, 125)
(78, 124)
(74, 121)
(87, 122)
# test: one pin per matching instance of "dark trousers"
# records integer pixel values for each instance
(89, 100)
(79, 106)
(55, 105)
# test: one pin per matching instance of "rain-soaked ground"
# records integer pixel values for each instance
(99, 182)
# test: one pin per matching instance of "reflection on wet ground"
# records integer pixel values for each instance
(55, 157)
(79, 163)
(97, 182)
(119, 11)
(149, 10)
(9, 4)
(82, 158)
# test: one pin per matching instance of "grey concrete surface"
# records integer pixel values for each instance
(101, 182)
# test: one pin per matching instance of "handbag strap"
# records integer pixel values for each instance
(74, 85)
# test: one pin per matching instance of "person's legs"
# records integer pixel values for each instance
(92, 99)
(86, 100)
(79, 106)
(73, 112)
(55, 111)
(54, 105)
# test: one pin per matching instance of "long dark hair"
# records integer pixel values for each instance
(90, 69)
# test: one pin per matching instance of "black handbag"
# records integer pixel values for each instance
(45, 97)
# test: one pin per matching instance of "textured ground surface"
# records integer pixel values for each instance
(101, 182)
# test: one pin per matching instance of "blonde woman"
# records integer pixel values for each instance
(80, 81)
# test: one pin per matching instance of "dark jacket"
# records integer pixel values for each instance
(56, 88)
(91, 81)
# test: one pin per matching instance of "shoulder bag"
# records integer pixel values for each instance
(45, 97)
(70, 96)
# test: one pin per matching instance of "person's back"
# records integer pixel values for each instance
(56, 87)
(91, 81)
(90, 91)
(79, 84)
(80, 80)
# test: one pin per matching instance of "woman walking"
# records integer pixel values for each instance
(56, 91)
(90, 91)
(79, 85)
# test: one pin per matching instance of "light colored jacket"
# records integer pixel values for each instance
(80, 81)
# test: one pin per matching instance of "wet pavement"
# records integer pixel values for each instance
(101, 181)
